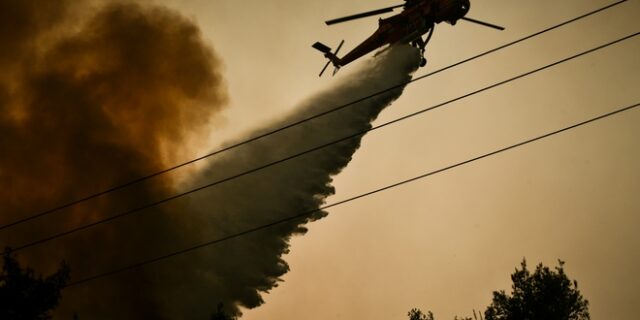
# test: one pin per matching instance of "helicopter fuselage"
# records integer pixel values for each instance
(408, 26)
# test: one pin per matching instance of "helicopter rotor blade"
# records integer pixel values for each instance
(363, 15)
(325, 68)
(486, 24)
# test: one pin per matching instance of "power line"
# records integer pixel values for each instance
(269, 133)
(358, 134)
(310, 212)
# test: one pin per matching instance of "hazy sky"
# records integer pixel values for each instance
(137, 86)
(445, 243)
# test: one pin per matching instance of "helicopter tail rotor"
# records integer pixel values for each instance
(332, 56)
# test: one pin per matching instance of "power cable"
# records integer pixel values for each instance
(358, 134)
(269, 133)
(310, 212)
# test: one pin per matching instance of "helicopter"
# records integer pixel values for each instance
(417, 18)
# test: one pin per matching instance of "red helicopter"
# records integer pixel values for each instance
(417, 18)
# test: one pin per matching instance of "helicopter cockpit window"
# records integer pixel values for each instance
(464, 7)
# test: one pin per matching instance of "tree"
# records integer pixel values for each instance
(27, 296)
(417, 314)
(221, 315)
(544, 295)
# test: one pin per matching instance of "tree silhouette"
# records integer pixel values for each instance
(417, 314)
(25, 295)
(545, 294)
(221, 315)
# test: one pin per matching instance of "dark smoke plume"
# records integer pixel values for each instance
(83, 107)
(91, 104)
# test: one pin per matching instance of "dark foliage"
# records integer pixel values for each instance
(417, 314)
(27, 296)
(544, 295)
(221, 315)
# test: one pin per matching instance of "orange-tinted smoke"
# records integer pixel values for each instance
(88, 105)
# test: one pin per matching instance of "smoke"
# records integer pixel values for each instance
(86, 105)
(22, 25)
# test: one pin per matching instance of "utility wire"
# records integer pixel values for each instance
(269, 133)
(306, 214)
(352, 136)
